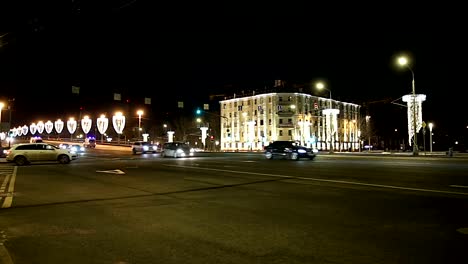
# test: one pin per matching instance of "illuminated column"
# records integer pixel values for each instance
(40, 127)
(170, 136)
(58, 126)
(33, 128)
(25, 130)
(102, 123)
(49, 126)
(414, 103)
(19, 131)
(86, 123)
(306, 131)
(331, 123)
(203, 137)
(118, 121)
(71, 126)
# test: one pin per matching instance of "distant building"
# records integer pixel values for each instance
(252, 122)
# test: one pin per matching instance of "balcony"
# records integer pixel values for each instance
(286, 113)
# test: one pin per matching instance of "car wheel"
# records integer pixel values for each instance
(134, 151)
(294, 156)
(268, 155)
(163, 155)
(312, 158)
(63, 159)
(21, 160)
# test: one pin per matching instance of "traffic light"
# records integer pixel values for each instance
(198, 111)
(212, 138)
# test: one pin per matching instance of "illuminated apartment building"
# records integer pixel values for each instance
(252, 122)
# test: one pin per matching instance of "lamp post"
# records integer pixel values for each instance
(430, 136)
(139, 113)
(404, 62)
(320, 86)
(1, 106)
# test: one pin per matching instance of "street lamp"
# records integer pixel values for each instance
(430, 135)
(320, 86)
(403, 61)
(1, 106)
(139, 113)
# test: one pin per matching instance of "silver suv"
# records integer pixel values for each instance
(23, 154)
(143, 147)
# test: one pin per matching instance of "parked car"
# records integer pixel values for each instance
(176, 150)
(26, 153)
(289, 150)
(143, 147)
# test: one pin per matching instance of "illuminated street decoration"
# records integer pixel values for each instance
(71, 125)
(40, 127)
(251, 132)
(331, 124)
(59, 126)
(86, 123)
(2, 136)
(203, 137)
(414, 101)
(170, 136)
(19, 131)
(118, 121)
(33, 128)
(102, 124)
(25, 129)
(49, 126)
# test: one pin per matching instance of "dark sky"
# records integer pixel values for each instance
(171, 53)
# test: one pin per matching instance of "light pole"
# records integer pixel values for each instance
(404, 62)
(321, 86)
(1, 107)
(430, 136)
(139, 113)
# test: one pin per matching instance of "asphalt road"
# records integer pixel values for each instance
(109, 206)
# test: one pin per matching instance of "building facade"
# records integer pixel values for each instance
(252, 122)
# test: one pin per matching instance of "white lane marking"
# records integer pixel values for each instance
(112, 171)
(4, 255)
(463, 230)
(11, 187)
(249, 161)
(5, 182)
(458, 186)
(324, 180)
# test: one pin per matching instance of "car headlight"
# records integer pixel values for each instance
(82, 148)
(315, 150)
(301, 151)
(192, 150)
(145, 147)
(179, 151)
(73, 149)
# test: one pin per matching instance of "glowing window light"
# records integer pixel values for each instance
(118, 121)
(25, 129)
(33, 128)
(49, 126)
(71, 125)
(102, 124)
(40, 127)
(58, 126)
(86, 123)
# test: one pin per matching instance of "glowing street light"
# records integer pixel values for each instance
(330, 115)
(118, 121)
(102, 123)
(403, 61)
(25, 129)
(49, 126)
(71, 126)
(40, 127)
(1, 107)
(58, 126)
(86, 123)
(33, 128)
(139, 113)
(431, 125)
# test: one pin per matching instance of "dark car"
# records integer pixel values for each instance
(289, 150)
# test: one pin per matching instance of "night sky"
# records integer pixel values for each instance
(170, 54)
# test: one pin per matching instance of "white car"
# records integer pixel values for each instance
(26, 153)
(176, 150)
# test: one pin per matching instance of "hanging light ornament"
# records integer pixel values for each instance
(49, 126)
(86, 123)
(33, 128)
(102, 124)
(40, 127)
(25, 130)
(71, 125)
(59, 126)
(118, 121)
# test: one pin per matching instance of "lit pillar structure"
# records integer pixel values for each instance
(431, 125)
(203, 137)
(139, 113)
(58, 126)
(331, 124)
(19, 131)
(33, 128)
(170, 136)
(49, 126)
(40, 127)
(1, 107)
(25, 130)
(86, 123)
(251, 133)
(71, 126)
(414, 103)
(118, 121)
(102, 124)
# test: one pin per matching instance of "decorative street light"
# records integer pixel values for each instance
(139, 113)
(413, 103)
(431, 125)
(118, 121)
(1, 107)
(86, 123)
(25, 129)
(40, 127)
(33, 128)
(71, 126)
(58, 126)
(49, 126)
(102, 123)
(330, 115)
